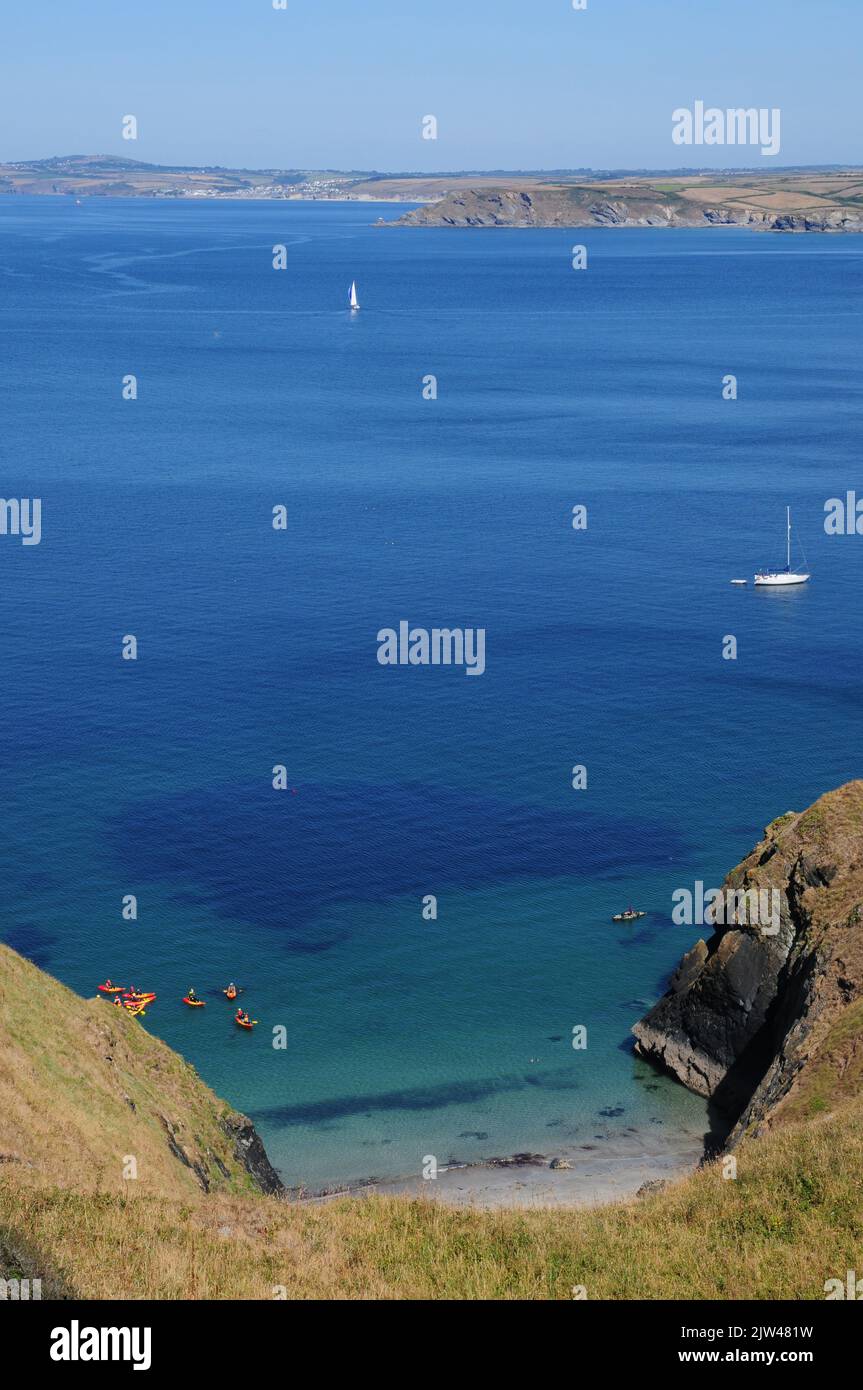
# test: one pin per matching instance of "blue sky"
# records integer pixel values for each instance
(346, 83)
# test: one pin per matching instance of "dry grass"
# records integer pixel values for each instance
(83, 1086)
(790, 1220)
(835, 1074)
(68, 1069)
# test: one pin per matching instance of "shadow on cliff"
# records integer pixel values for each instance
(736, 1090)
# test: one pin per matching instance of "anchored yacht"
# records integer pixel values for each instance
(786, 575)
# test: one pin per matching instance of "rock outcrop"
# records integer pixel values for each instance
(748, 1012)
(622, 205)
(250, 1151)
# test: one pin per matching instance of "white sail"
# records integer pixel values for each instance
(354, 302)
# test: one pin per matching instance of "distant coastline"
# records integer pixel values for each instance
(820, 199)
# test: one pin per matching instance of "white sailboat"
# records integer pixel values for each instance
(354, 302)
(786, 575)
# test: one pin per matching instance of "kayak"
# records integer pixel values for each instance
(252, 1023)
(230, 993)
(112, 989)
(136, 1010)
(193, 1003)
(139, 998)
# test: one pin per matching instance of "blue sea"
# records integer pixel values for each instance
(258, 647)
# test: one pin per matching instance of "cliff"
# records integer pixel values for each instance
(84, 1088)
(770, 1026)
(639, 204)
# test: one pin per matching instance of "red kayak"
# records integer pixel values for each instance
(193, 1003)
(112, 989)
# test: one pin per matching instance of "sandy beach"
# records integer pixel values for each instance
(612, 1167)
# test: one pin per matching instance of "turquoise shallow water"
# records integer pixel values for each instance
(408, 1037)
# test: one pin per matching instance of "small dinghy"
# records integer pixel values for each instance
(630, 915)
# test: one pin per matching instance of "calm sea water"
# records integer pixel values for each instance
(408, 1037)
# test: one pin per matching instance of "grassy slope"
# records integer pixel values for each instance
(790, 1220)
(71, 1072)
(835, 1075)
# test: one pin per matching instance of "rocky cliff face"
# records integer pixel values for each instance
(249, 1150)
(576, 207)
(635, 205)
(750, 1011)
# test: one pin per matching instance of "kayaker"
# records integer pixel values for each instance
(232, 990)
(192, 996)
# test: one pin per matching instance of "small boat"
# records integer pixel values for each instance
(108, 988)
(629, 915)
(776, 578)
(193, 1003)
(231, 992)
(353, 302)
(246, 1022)
(739, 581)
